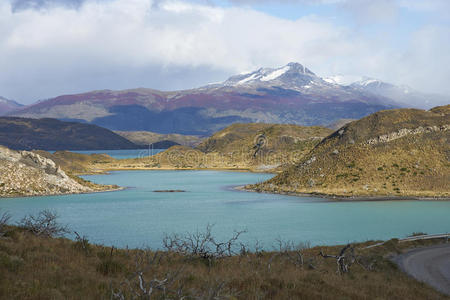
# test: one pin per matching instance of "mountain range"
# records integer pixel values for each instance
(290, 94)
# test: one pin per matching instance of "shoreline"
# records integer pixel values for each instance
(329, 197)
(340, 198)
(66, 194)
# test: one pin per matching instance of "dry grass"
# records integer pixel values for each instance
(346, 164)
(46, 268)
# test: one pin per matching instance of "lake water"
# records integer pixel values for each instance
(122, 154)
(139, 217)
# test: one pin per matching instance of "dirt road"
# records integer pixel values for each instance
(429, 264)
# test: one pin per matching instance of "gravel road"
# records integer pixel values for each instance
(430, 265)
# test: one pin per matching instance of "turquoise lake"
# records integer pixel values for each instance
(139, 217)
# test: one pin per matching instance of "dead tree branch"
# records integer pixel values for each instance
(202, 244)
(344, 259)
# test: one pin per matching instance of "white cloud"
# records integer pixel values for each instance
(175, 44)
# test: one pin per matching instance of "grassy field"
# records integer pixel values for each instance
(38, 267)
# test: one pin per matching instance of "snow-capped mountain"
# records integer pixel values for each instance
(7, 106)
(403, 94)
(288, 94)
(292, 75)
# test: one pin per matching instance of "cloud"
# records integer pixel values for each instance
(38, 4)
(169, 45)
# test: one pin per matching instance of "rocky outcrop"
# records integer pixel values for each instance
(24, 173)
(404, 132)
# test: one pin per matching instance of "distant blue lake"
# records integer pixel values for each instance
(122, 154)
(139, 217)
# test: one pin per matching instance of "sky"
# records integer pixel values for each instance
(54, 47)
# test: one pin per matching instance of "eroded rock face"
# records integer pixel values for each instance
(404, 132)
(24, 173)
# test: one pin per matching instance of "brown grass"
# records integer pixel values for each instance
(46, 268)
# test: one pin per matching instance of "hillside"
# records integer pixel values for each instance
(266, 145)
(24, 173)
(402, 152)
(147, 138)
(76, 163)
(291, 94)
(52, 134)
(258, 147)
(7, 106)
(39, 267)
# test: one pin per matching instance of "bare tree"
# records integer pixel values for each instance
(4, 220)
(344, 260)
(202, 244)
(138, 286)
(43, 224)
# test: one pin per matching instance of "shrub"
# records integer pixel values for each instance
(43, 224)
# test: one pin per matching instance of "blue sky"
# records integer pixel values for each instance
(53, 47)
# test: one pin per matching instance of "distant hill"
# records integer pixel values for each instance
(7, 106)
(272, 137)
(51, 134)
(339, 123)
(255, 146)
(258, 147)
(399, 152)
(165, 144)
(291, 94)
(147, 138)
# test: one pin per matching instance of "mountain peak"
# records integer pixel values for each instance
(282, 75)
(299, 68)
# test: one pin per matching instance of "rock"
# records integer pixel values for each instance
(311, 182)
(335, 152)
(26, 173)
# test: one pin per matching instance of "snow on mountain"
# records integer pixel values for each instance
(403, 94)
(279, 76)
(275, 74)
(287, 94)
(342, 79)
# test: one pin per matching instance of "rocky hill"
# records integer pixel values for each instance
(401, 152)
(51, 134)
(24, 173)
(291, 94)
